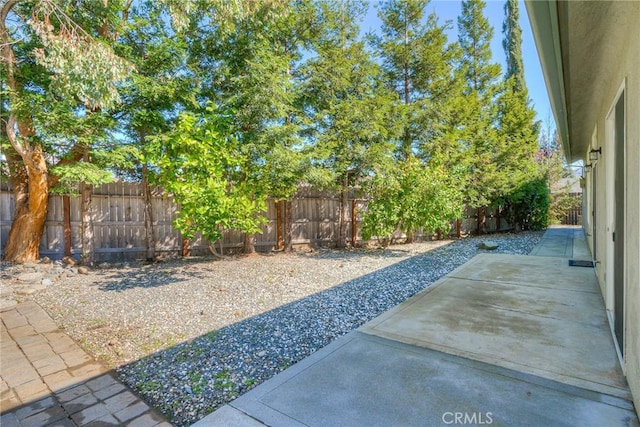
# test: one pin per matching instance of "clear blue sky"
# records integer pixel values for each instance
(449, 10)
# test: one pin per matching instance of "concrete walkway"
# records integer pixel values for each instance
(46, 379)
(503, 340)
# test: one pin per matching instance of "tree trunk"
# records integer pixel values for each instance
(410, 236)
(27, 166)
(30, 184)
(354, 223)
(482, 221)
(249, 244)
(185, 247)
(150, 237)
(344, 213)
(288, 227)
(88, 252)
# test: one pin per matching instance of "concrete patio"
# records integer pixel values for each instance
(503, 340)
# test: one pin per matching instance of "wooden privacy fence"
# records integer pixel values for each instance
(118, 216)
(574, 216)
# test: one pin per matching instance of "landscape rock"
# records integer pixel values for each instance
(488, 245)
(69, 261)
(45, 260)
(83, 270)
(30, 277)
(47, 282)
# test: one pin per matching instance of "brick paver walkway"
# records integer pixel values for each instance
(46, 379)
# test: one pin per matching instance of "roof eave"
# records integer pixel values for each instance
(543, 16)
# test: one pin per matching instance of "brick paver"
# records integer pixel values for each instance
(46, 379)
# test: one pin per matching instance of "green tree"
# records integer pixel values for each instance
(419, 66)
(200, 165)
(429, 200)
(520, 174)
(401, 38)
(351, 126)
(512, 44)
(248, 64)
(559, 177)
(161, 87)
(61, 75)
(475, 34)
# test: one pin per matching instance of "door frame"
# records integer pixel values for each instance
(611, 169)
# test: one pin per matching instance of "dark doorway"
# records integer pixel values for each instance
(618, 233)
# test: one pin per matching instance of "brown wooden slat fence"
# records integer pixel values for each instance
(119, 223)
(574, 216)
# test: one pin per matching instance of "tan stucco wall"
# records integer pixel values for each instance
(627, 69)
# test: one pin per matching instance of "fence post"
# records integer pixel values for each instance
(458, 228)
(66, 224)
(279, 236)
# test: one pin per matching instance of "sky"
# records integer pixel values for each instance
(449, 10)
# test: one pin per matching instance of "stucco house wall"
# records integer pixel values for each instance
(589, 52)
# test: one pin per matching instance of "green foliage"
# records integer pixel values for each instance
(198, 164)
(475, 34)
(559, 178)
(420, 124)
(528, 205)
(512, 44)
(351, 115)
(480, 132)
(79, 65)
(417, 196)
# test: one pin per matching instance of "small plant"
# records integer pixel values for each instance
(223, 380)
(197, 382)
(147, 386)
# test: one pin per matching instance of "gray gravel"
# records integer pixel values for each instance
(191, 335)
(243, 319)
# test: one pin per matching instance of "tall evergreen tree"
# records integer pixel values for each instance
(247, 64)
(402, 32)
(161, 87)
(512, 44)
(350, 112)
(517, 131)
(419, 66)
(475, 34)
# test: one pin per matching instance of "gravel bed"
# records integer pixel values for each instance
(192, 335)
